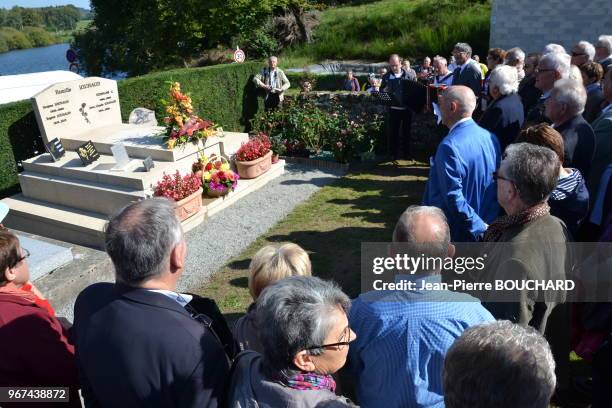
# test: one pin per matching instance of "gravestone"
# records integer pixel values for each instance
(71, 108)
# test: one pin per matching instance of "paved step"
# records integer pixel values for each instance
(70, 166)
(45, 257)
(78, 194)
(55, 221)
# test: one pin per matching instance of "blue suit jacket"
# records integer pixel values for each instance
(504, 118)
(461, 180)
(137, 348)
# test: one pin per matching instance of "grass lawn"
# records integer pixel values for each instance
(412, 28)
(360, 207)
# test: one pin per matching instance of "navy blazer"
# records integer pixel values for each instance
(137, 348)
(579, 144)
(470, 77)
(504, 118)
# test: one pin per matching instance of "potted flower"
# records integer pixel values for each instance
(278, 147)
(217, 177)
(254, 157)
(185, 190)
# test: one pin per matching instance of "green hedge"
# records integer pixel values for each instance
(223, 93)
(325, 82)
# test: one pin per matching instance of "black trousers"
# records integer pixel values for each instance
(272, 101)
(399, 132)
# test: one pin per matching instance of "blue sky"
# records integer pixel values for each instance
(43, 3)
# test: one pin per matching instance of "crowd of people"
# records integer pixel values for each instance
(495, 178)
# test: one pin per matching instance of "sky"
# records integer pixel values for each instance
(43, 3)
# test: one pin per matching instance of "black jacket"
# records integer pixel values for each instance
(504, 118)
(592, 109)
(470, 77)
(579, 144)
(529, 93)
(137, 348)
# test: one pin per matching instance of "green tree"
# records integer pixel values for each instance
(31, 17)
(13, 18)
(15, 39)
(38, 36)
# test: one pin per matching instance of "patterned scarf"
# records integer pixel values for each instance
(311, 381)
(497, 228)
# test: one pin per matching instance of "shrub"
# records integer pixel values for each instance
(15, 40)
(39, 37)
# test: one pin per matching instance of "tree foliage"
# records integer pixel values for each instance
(51, 18)
(144, 35)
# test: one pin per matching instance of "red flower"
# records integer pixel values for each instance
(209, 166)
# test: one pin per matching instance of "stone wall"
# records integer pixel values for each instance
(426, 134)
(532, 24)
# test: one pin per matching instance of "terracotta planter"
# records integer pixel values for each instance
(275, 158)
(254, 168)
(217, 193)
(189, 206)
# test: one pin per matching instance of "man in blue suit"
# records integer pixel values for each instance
(139, 343)
(461, 176)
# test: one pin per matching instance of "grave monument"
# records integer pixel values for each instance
(69, 198)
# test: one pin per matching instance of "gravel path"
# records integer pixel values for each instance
(214, 242)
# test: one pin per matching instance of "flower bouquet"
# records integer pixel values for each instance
(182, 126)
(217, 177)
(185, 190)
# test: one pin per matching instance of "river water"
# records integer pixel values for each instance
(40, 59)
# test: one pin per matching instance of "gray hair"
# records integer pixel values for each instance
(505, 78)
(488, 363)
(140, 237)
(466, 101)
(294, 314)
(570, 93)
(553, 48)
(606, 42)
(514, 56)
(405, 232)
(463, 47)
(587, 48)
(534, 170)
(440, 59)
(558, 62)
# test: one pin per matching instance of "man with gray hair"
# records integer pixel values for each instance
(468, 71)
(603, 51)
(504, 117)
(501, 365)
(582, 52)
(554, 49)
(413, 327)
(564, 108)
(551, 68)
(442, 75)
(274, 82)
(460, 177)
(138, 343)
(515, 57)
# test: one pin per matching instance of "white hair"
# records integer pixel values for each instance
(515, 55)
(570, 93)
(576, 75)
(606, 42)
(554, 48)
(558, 62)
(440, 59)
(587, 48)
(505, 78)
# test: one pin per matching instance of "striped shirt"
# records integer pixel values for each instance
(566, 186)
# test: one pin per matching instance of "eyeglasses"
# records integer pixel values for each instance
(577, 54)
(26, 254)
(538, 70)
(340, 345)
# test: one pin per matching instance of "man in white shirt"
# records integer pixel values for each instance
(274, 82)
(442, 75)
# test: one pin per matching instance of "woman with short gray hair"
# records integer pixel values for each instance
(305, 336)
(505, 115)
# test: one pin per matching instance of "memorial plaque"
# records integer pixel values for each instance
(121, 156)
(74, 107)
(55, 149)
(87, 153)
(148, 163)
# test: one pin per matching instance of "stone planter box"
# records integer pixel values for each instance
(189, 206)
(254, 168)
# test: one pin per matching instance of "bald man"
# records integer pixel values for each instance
(461, 175)
(403, 336)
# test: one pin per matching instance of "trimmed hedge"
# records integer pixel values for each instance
(223, 93)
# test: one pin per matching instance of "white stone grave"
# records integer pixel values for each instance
(71, 202)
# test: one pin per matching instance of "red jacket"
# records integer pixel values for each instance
(34, 349)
